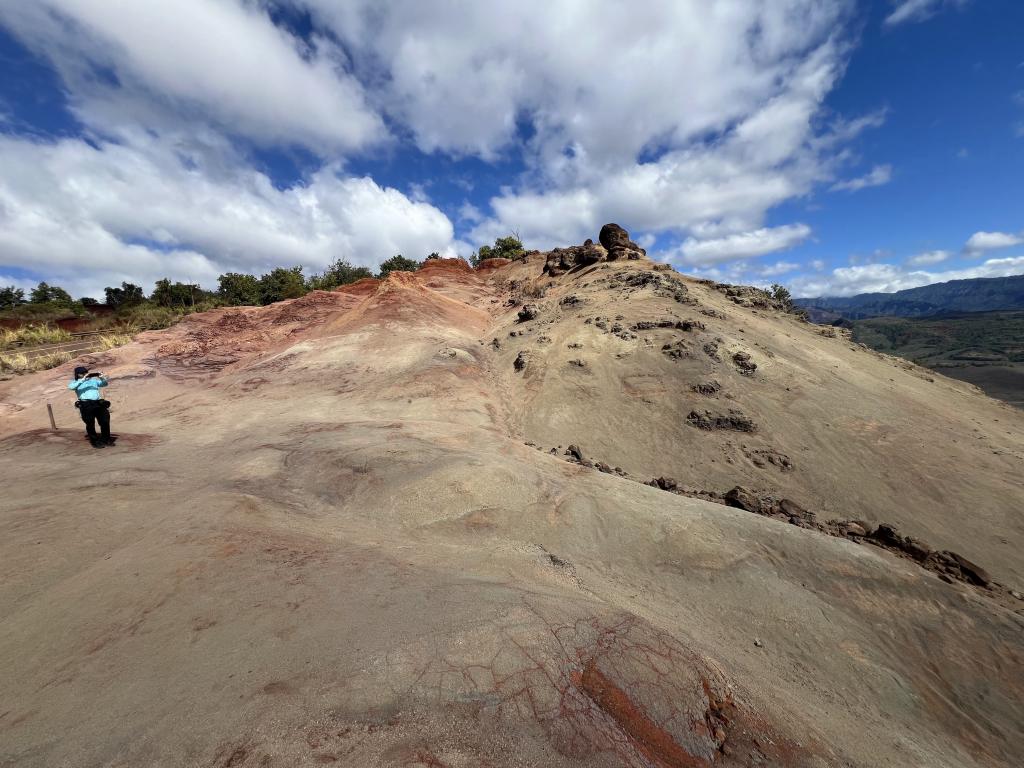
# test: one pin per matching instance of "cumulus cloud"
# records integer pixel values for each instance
(918, 10)
(687, 118)
(777, 269)
(876, 177)
(928, 258)
(171, 65)
(89, 215)
(588, 84)
(742, 245)
(980, 242)
(885, 278)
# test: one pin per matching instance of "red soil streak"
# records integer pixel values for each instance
(489, 265)
(364, 287)
(443, 266)
(653, 742)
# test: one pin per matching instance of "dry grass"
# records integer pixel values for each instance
(32, 335)
(19, 362)
(111, 340)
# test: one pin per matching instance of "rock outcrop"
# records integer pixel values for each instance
(614, 244)
(616, 241)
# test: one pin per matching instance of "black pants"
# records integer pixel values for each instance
(93, 411)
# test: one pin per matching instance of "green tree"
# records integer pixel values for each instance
(339, 273)
(509, 247)
(238, 289)
(280, 284)
(398, 263)
(88, 301)
(40, 294)
(44, 293)
(168, 294)
(433, 255)
(782, 295)
(11, 297)
(128, 295)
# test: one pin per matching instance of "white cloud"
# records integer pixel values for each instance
(980, 242)
(918, 10)
(470, 213)
(876, 177)
(777, 269)
(86, 216)
(685, 117)
(660, 116)
(871, 278)
(169, 66)
(743, 245)
(928, 258)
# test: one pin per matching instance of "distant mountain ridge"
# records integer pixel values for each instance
(980, 294)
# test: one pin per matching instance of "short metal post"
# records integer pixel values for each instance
(49, 411)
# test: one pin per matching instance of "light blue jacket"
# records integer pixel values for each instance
(88, 389)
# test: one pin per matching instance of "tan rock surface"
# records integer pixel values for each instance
(321, 538)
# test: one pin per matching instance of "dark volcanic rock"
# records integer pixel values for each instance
(973, 572)
(733, 420)
(562, 260)
(743, 498)
(744, 363)
(528, 312)
(520, 362)
(665, 483)
(707, 388)
(616, 241)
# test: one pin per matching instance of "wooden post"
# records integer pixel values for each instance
(49, 411)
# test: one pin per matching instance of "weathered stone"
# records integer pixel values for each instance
(707, 388)
(744, 363)
(528, 312)
(665, 483)
(743, 498)
(974, 573)
(616, 241)
(709, 421)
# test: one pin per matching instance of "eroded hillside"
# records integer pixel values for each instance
(334, 531)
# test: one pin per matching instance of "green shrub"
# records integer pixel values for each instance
(11, 297)
(338, 273)
(184, 295)
(398, 263)
(128, 295)
(238, 289)
(510, 247)
(280, 284)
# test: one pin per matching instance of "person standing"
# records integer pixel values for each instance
(91, 406)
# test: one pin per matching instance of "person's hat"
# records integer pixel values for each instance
(81, 370)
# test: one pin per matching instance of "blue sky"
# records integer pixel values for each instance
(832, 145)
